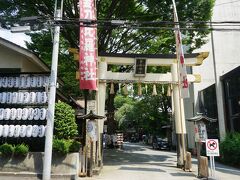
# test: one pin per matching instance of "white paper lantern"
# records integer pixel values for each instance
(25, 114)
(17, 131)
(7, 113)
(44, 97)
(5, 82)
(1, 82)
(22, 83)
(23, 130)
(5, 130)
(14, 98)
(26, 97)
(1, 130)
(40, 81)
(19, 114)
(33, 81)
(13, 113)
(46, 80)
(32, 98)
(43, 114)
(10, 82)
(4, 97)
(35, 131)
(16, 82)
(36, 114)
(38, 97)
(20, 97)
(1, 114)
(28, 81)
(30, 114)
(9, 97)
(41, 131)
(29, 131)
(11, 130)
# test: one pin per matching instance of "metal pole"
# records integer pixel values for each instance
(51, 102)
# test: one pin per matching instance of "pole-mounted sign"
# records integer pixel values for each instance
(212, 149)
(88, 46)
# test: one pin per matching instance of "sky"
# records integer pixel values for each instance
(17, 38)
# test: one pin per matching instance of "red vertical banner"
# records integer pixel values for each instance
(182, 72)
(87, 46)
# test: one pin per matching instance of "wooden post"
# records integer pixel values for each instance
(203, 167)
(199, 147)
(90, 161)
(188, 164)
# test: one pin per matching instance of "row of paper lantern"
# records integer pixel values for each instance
(24, 81)
(23, 97)
(22, 131)
(23, 114)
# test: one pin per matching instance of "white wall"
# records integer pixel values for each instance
(12, 59)
(9, 59)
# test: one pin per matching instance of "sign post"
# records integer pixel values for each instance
(212, 149)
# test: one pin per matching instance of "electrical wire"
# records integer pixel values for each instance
(148, 25)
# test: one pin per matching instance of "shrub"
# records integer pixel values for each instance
(74, 146)
(21, 150)
(61, 146)
(7, 149)
(65, 126)
(229, 149)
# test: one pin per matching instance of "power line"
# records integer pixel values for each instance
(148, 25)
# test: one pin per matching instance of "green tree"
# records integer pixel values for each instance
(125, 40)
(65, 126)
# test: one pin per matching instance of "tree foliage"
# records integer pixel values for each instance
(65, 126)
(129, 39)
(148, 113)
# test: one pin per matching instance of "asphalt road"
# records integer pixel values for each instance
(140, 162)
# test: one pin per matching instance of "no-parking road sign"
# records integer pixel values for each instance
(212, 147)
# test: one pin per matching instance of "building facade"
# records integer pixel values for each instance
(218, 96)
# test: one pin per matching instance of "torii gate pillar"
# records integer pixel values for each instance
(101, 95)
(179, 116)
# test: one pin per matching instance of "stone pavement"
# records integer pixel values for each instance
(140, 162)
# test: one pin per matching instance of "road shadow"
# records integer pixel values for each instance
(132, 154)
(141, 169)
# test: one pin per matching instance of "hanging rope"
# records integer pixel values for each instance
(125, 90)
(162, 89)
(139, 89)
(146, 88)
(169, 91)
(112, 89)
(154, 93)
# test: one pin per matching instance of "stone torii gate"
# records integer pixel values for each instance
(105, 76)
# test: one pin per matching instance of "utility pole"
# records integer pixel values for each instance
(52, 96)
